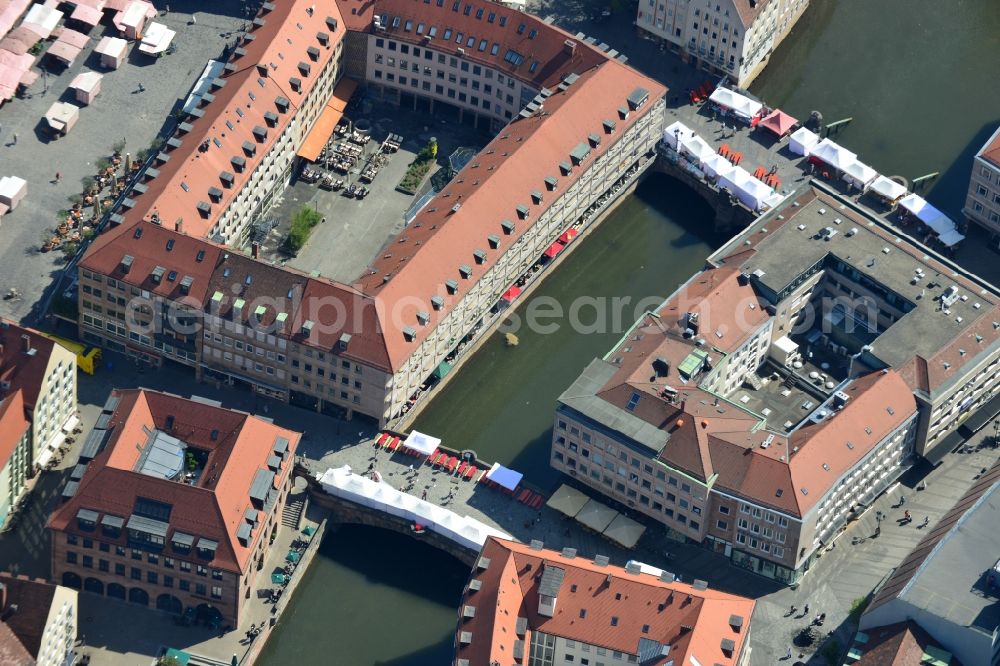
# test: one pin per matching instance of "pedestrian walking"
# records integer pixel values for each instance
(805, 609)
(58, 176)
(792, 610)
(788, 654)
(194, 20)
(15, 138)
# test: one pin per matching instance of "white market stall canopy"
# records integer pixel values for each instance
(503, 476)
(717, 166)
(156, 38)
(676, 133)
(735, 102)
(61, 116)
(87, 86)
(750, 191)
(42, 20)
(802, 141)
(12, 190)
(887, 188)
(697, 148)
(860, 175)
(938, 222)
(833, 154)
(951, 238)
(596, 516)
(464, 530)
(112, 51)
(421, 443)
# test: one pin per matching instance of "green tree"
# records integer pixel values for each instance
(303, 221)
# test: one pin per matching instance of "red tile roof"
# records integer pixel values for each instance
(600, 605)
(21, 630)
(447, 235)
(237, 446)
(147, 244)
(261, 76)
(991, 151)
(24, 371)
(901, 644)
(13, 424)
(547, 57)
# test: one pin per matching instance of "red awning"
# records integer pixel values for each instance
(554, 249)
(779, 122)
(511, 293)
(568, 235)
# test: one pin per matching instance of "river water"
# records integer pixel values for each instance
(916, 77)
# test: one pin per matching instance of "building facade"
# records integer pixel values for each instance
(173, 505)
(45, 372)
(579, 128)
(732, 38)
(785, 386)
(38, 622)
(982, 203)
(15, 452)
(527, 605)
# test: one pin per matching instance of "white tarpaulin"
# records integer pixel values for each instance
(697, 149)
(752, 192)
(773, 199)
(676, 133)
(12, 190)
(717, 166)
(887, 188)
(802, 141)
(950, 238)
(465, 530)
(503, 476)
(833, 154)
(156, 38)
(421, 443)
(938, 222)
(860, 175)
(743, 107)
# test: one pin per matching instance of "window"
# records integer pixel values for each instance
(136, 573)
(722, 525)
(70, 557)
(982, 191)
(199, 588)
(119, 569)
(216, 592)
(724, 510)
(184, 585)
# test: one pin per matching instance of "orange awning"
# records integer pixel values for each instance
(322, 129)
(568, 235)
(511, 293)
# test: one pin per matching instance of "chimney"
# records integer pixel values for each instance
(569, 47)
(179, 225)
(27, 343)
(255, 250)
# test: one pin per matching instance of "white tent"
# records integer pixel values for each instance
(42, 20)
(833, 154)
(744, 107)
(750, 191)
(503, 476)
(697, 149)
(860, 175)
(717, 165)
(951, 238)
(773, 200)
(156, 38)
(421, 443)
(887, 188)
(938, 222)
(676, 133)
(12, 190)
(802, 141)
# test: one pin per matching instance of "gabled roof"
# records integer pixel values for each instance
(901, 644)
(21, 630)
(991, 150)
(546, 56)
(132, 253)
(260, 75)
(237, 446)
(13, 424)
(600, 605)
(493, 189)
(25, 370)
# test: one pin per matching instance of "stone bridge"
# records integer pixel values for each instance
(346, 512)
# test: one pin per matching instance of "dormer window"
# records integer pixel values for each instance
(465, 271)
(437, 302)
(451, 286)
(479, 256)
(507, 226)
(494, 241)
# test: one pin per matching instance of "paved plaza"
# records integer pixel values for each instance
(356, 230)
(121, 111)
